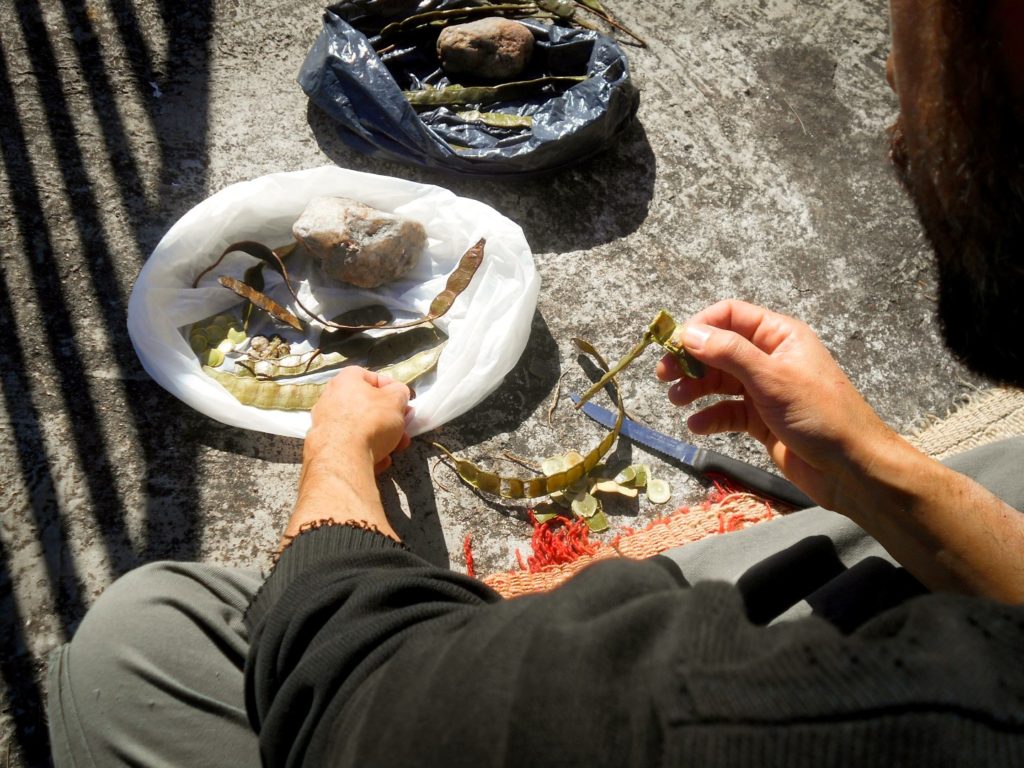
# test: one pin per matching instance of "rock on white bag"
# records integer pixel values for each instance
(487, 327)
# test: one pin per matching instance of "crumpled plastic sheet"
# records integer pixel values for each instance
(487, 327)
(344, 77)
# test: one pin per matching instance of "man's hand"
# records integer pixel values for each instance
(946, 529)
(358, 423)
(795, 399)
(359, 412)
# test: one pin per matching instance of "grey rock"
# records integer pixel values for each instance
(494, 48)
(358, 244)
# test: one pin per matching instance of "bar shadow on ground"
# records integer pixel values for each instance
(42, 234)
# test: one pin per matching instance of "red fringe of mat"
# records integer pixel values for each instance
(562, 540)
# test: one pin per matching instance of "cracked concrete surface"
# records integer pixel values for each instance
(757, 169)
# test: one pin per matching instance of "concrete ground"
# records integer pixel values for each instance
(757, 168)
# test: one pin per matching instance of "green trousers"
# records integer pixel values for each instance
(153, 676)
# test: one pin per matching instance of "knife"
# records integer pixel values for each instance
(703, 460)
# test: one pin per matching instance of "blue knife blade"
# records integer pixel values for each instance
(703, 460)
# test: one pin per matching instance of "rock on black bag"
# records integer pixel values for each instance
(346, 78)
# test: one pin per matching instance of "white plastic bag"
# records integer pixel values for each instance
(488, 326)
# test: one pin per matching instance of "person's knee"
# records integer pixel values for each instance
(159, 639)
(130, 613)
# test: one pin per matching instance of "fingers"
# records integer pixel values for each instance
(384, 382)
(725, 352)
(724, 416)
(728, 416)
(685, 390)
(668, 369)
(734, 339)
(733, 315)
(762, 327)
(351, 383)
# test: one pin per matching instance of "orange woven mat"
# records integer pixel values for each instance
(726, 513)
(983, 417)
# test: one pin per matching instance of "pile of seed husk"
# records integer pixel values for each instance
(581, 498)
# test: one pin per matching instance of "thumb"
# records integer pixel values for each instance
(725, 350)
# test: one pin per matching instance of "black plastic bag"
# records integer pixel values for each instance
(344, 76)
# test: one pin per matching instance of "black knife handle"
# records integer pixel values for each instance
(753, 478)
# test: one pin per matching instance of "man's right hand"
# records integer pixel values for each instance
(358, 422)
(796, 400)
(946, 529)
(360, 412)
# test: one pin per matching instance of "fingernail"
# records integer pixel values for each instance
(695, 336)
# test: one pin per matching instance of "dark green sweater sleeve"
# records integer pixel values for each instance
(363, 654)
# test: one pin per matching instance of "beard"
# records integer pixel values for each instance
(973, 217)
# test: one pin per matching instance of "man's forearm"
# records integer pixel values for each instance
(945, 528)
(340, 488)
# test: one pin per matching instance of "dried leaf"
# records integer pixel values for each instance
(496, 119)
(457, 95)
(261, 300)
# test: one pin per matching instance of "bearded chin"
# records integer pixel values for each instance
(982, 321)
(981, 271)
